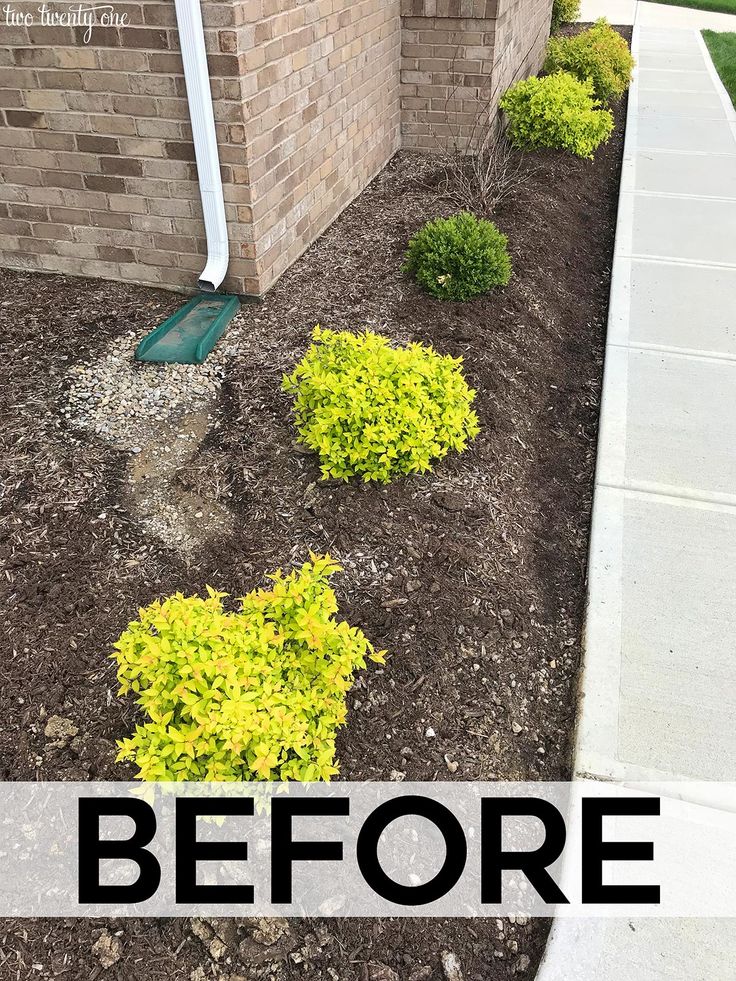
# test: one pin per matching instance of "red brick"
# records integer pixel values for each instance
(97, 144)
(28, 212)
(34, 57)
(113, 253)
(110, 185)
(228, 41)
(26, 120)
(10, 99)
(143, 37)
(60, 178)
(179, 151)
(104, 37)
(121, 166)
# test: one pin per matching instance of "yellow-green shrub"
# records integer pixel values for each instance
(257, 694)
(599, 54)
(564, 12)
(556, 111)
(378, 411)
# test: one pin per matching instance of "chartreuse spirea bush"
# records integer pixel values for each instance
(458, 258)
(564, 12)
(377, 411)
(556, 111)
(256, 694)
(599, 54)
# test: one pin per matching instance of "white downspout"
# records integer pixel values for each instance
(199, 97)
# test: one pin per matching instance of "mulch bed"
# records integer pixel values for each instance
(471, 577)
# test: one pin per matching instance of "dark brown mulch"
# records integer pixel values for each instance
(472, 577)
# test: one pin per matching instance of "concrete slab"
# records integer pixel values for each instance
(655, 80)
(694, 133)
(678, 671)
(655, 949)
(672, 39)
(665, 39)
(680, 426)
(667, 307)
(656, 564)
(670, 61)
(685, 173)
(681, 228)
(704, 105)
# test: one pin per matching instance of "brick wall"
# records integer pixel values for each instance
(522, 31)
(97, 173)
(459, 57)
(323, 111)
(96, 161)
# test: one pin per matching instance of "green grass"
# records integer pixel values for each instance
(722, 49)
(716, 6)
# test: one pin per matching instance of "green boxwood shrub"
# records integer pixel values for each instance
(378, 411)
(252, 695)
(556, 111)
(564, 12)
(458, 258)
(599, 54)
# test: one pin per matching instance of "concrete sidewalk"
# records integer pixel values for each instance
(655, 15)
(658, 688)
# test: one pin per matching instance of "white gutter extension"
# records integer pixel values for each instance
(199, 97)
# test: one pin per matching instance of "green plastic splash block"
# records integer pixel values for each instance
(188, 335)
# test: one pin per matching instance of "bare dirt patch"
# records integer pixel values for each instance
(472, 577)
(175, 513)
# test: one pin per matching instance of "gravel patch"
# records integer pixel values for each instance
(113, 394)
(160, 414)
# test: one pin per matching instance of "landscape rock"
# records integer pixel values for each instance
(60, 731)
(107, 949)
(382, 972)
(420, 973)
(208, 936)
(269, 930)
(522, 964)
(451, 966)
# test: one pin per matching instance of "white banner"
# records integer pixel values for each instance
(368, 849)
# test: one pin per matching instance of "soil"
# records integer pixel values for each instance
(471, 577)
(159, 496)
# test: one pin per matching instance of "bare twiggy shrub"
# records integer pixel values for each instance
(478, 180)
(481, 167)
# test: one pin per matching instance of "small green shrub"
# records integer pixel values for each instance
(458, 258)
(373, 410)
(600, 54)
(252, 695)
(556, 111)
(564, 12)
